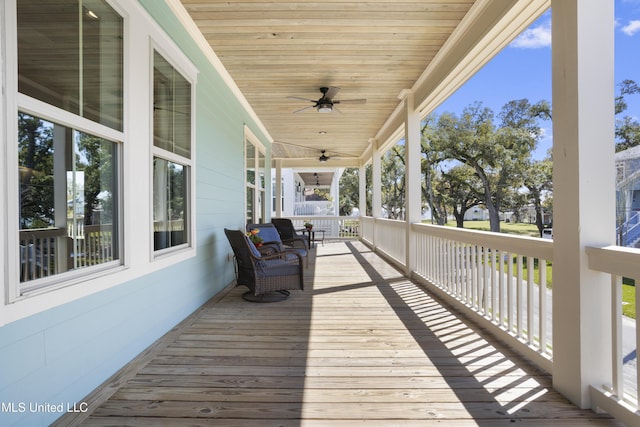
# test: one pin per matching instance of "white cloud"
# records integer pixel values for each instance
(534, 38)
(631, 28)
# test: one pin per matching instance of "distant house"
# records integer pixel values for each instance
(298, 189)
(477, 213)
(628, 196)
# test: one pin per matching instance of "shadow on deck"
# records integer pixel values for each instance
(361, 346)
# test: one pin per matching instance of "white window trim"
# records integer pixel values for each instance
(139, 29)
(251, 138)
(9, 108)
(15, 291)
(177, 60)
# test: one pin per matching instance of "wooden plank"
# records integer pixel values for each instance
(233, 422)
(471, 362)
(206, 394)
(427, 411)
(351, 383)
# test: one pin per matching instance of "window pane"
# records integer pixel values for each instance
(259, 210)
(250, 158)
(171, 109)
(261, 168)
(170, 216)
(68, 199)
(249, 212)
(70, 56)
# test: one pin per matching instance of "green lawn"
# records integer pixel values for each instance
(520, 228)
(536, 274)
(629, 301)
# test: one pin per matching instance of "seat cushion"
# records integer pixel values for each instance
(301, 252)
(278, 267)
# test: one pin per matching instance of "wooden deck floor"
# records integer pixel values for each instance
(361, 346)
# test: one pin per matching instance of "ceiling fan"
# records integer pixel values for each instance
(323, 153)
(326, 103)
(323, 157)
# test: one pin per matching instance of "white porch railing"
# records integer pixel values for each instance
(389, 237)
(45, 252)
(495, 276)
(40, 253)
(334, 227)
(620, 398)
(313, 208)
(367, 228)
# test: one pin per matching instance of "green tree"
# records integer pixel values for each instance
(393, 182)
(431, 158)
(462, 190)
(627, 131)
(349, 186)
(94, 156)
(538, 178)
(35, 161)
(498, 153)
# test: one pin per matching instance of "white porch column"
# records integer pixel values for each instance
(584, 199)
(362, 190)
(413, 196)
(376, 184)
(335, 190)
(278, 185)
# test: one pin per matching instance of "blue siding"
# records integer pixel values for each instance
(61, 355)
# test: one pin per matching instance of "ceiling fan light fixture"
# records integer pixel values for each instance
(325, 107)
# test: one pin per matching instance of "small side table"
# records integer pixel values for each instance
(314, 235)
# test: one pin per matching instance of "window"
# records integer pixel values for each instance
(172, 156)
(78, 69)
(255, 166)
(68, 164)
(68, 199)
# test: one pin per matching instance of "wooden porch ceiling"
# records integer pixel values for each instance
(360, 346)
(371, 49)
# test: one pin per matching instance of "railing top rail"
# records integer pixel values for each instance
(530, 246)
(321, 217)
(391, 222)
(618, 260)
(42, 232)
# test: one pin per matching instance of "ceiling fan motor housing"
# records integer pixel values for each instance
(325, 105)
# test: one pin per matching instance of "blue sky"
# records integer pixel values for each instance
(523, 69)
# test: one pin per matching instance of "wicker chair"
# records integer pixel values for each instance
(268, 277)
(288, 233)
(273, 243)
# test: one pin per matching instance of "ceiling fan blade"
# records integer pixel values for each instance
(301, 99)
(302, 109)
(350, 101)
(335, 109)
(333, 90)
(291, 144)
(329, 153)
